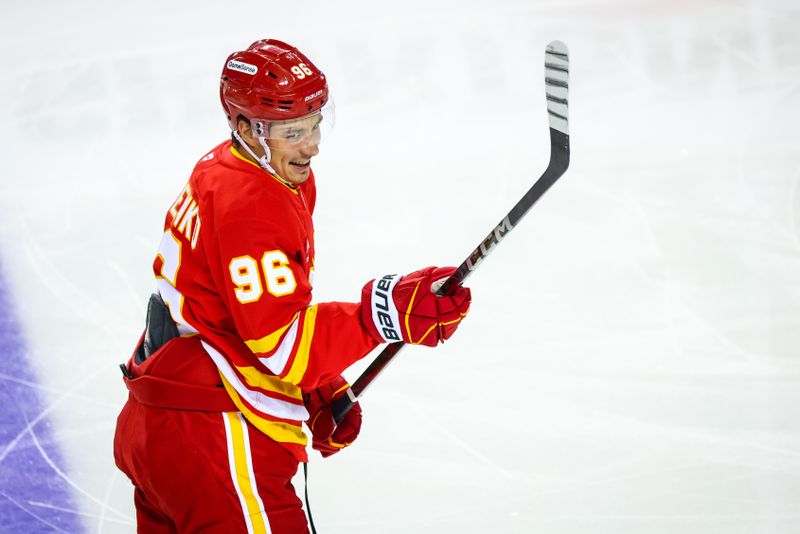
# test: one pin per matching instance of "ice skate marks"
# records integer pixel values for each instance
(33, 495)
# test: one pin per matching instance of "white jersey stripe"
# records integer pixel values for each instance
(277, 362)
(259, 401)
(174, 300)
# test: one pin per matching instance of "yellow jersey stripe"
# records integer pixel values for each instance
(300, 364)
(270, 341)
(279, 431)
(241, 465)
(256, 378)
(263, 403)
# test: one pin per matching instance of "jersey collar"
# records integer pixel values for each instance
(287, 185)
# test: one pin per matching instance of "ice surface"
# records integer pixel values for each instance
(630, 364)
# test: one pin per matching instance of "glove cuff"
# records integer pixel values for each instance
(378, 311)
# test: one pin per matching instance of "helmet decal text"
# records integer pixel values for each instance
(311, 97)
(240, 66)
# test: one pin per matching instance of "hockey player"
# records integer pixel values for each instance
(235, 357)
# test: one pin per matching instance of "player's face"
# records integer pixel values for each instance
(292, 144)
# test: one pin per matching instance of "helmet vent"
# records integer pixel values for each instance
(281, 104)
(272, 75)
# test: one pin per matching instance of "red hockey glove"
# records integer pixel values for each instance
(328, 437)
(406, 308)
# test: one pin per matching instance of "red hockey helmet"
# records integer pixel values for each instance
(270, 81)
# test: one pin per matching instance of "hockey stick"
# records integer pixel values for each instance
(556, 79)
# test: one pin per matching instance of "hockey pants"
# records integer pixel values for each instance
(205, 472)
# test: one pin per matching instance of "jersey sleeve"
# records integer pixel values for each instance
(265, 271)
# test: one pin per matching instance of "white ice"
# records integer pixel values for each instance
(631, 361)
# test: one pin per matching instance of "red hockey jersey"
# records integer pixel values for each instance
(235, 266)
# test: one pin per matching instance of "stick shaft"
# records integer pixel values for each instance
(557, 86)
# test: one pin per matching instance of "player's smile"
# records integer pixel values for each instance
(292, 164)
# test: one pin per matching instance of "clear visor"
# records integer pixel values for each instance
(308, 130)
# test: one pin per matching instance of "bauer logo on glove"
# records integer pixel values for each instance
(407, 308)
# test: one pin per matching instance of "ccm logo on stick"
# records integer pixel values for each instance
(488, 243)
(383, 309)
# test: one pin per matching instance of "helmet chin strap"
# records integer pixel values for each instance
(263, 161)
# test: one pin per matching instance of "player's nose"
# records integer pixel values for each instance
(310, 150)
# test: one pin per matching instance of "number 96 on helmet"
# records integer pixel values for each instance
(282, 94)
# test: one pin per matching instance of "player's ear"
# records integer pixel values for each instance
(245, 129)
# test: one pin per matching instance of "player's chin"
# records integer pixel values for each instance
(296, 179)
(299, 174)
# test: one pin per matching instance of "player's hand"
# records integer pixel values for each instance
(407, 308)
(328, 437)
